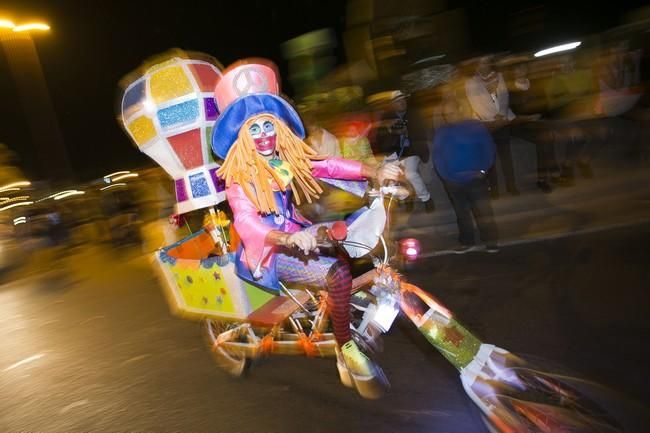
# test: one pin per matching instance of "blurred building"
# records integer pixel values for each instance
(310, 58)
(416, 38)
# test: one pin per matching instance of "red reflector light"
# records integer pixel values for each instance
(409, 248)
(339, 231)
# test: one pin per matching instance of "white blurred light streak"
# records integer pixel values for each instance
(558, 48)
(20, 203)
(112, 186)
(68, 194)
(24, 361)
(11, 186)
(124, 176)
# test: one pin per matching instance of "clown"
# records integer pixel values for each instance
(267, 168)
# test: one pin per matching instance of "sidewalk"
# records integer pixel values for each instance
(591, 205)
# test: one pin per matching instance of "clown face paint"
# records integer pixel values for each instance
(263, 133)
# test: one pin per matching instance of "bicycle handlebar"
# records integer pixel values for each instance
(392, 190)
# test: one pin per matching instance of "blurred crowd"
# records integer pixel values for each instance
(569, 107)
(571, 101)
(131, 214)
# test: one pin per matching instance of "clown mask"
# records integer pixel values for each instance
(263, 133)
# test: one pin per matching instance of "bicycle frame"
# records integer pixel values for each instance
(260, 323)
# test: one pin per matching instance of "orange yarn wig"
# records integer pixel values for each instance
(245, 166)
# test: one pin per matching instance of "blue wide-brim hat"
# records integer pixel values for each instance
(247, 88)
(226, 128)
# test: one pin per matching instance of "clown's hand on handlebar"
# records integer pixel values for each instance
(389, 171)
(302, 240)
(388, 176)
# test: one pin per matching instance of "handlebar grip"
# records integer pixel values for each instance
(400, 192)
(395, 189)
(328, 236)
(322, 235)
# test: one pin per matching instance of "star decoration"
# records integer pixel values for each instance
(453, 336)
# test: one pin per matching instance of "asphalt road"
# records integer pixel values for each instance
(89, 345)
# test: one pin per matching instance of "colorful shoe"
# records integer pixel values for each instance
(362, 372)
(344, 372)
(356, 361)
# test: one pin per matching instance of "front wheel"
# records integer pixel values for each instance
(533, 401)
(232, 361)
(366, 335)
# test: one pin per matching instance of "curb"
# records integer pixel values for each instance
(550, 237)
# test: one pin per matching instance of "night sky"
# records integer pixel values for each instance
(93, 44)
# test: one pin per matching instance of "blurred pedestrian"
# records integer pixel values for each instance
(353, 139)
(573, 109)
(58, 232)
(619, 79)
(463, 153)
(321, 140)
(402, 135)
(619, 100)
(528, 100)
(488, 97)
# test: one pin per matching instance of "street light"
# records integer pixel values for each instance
(34, 96)
(6, 24)
(31, 26)
(27, 27)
